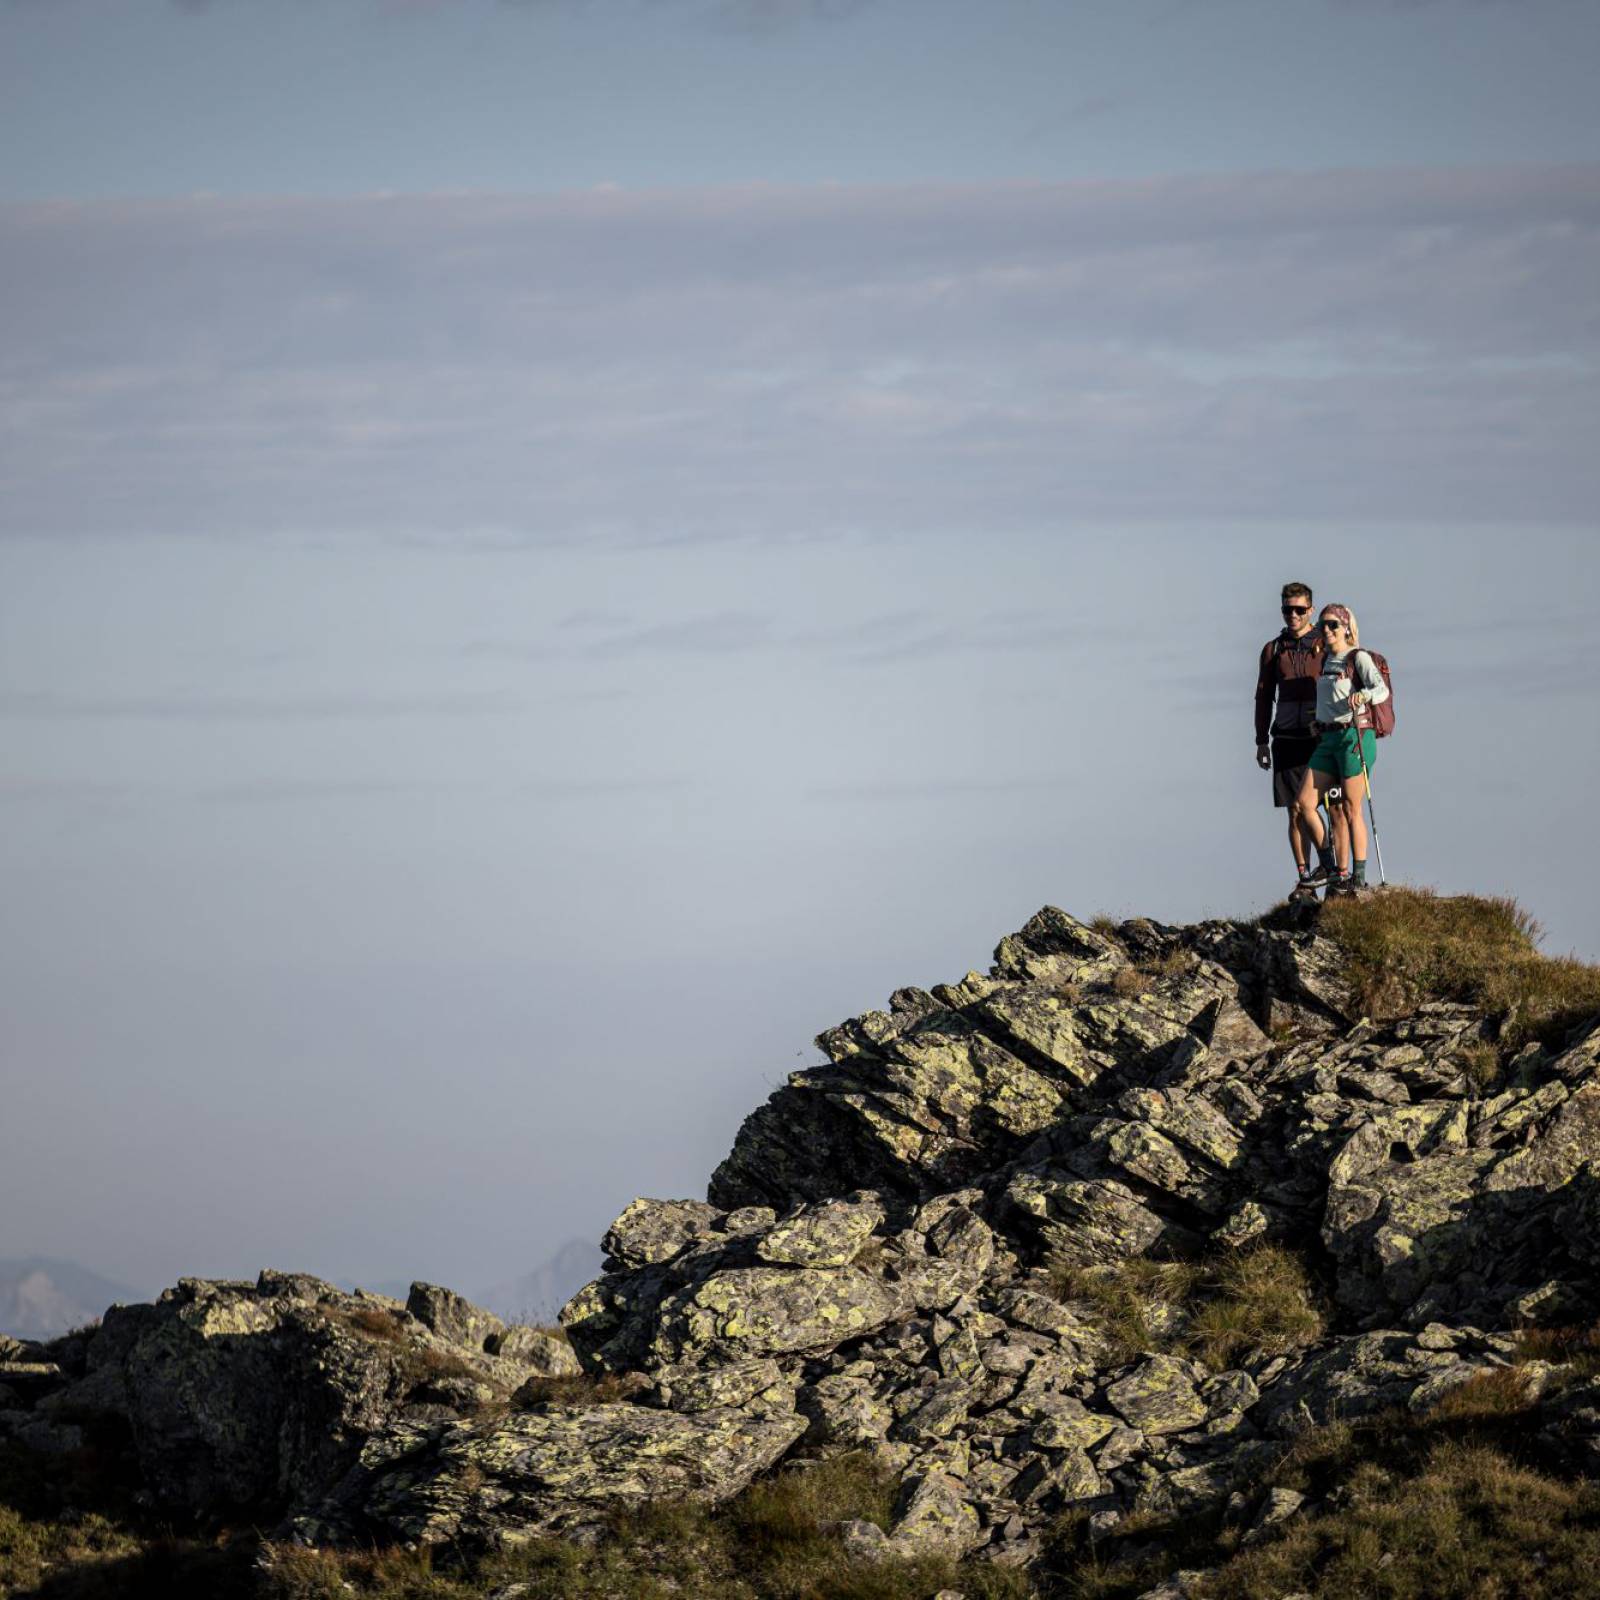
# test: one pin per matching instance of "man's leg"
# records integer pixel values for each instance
(1297, 840)
(1304, 811)
(1288, 778)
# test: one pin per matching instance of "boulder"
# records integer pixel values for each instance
(253, 1397)
(452, 1317)
(1159, 1396)
(545, 1472)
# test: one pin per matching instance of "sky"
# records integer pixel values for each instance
(552, 549)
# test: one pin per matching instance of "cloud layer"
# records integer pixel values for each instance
(789, 362)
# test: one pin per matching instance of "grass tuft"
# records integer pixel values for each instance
(1578, 1348)
(1411, 945)
(1126, 982)
(573, 1389)
(1261, 1304)
(1481, 1063)
(1254, 1302)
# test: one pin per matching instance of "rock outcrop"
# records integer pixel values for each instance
(884, 1262)
(240, 1396)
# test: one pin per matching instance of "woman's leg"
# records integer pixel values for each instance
(1355, 792)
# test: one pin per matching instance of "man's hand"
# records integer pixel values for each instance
(1263, 756)
(1357, 700)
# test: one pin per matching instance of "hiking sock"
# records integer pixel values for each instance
(1359, 872)
(1325, 856)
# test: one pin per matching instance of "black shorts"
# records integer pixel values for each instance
(1290, 753)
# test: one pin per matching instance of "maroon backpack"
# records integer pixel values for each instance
(1380, 718)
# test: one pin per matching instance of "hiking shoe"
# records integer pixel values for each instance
(1319, 874)
(1343, 889)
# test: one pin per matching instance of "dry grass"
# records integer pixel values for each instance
(1130, 981)
(1126, 982)
(1471, 1522)
(768, 1544)
(1481, 1063)
(573, 1389)
(1138, 1303)
(1105, 924)
(1261, 1303)
(71, 1528)
(1411, 945)
(1578, 1348)
(1448, 1505)
(1257, 1301)
(375, 1322)
(1174, 964)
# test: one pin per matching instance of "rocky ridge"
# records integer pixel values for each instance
(879, 1266)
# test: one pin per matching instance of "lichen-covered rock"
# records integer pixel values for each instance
(535, 1349)
(1352, 1377)
(254, 1396)
(1082, 1222)
(1424, 1225)
(556, 1471)
(741, 1383)
(754, 1311)
(651, 1231)
(935, 1518)
(827, 1234)
(1159, 1396)
(453, 1317)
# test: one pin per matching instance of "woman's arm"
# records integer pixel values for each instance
(1373, 691)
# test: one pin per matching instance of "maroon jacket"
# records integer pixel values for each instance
(1289, 670)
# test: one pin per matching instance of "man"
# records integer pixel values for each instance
(1290, 666)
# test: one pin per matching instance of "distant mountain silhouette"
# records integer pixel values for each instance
(41, 1297)
(538, 1295)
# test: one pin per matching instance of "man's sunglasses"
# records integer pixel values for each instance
(1295, 611)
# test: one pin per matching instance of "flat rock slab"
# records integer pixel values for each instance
(1158, 1396)
(553, 1471)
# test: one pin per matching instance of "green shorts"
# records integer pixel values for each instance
(1336, 753)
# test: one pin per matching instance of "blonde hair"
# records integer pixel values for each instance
(1348, 618)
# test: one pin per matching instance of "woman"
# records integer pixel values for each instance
(1350, 681)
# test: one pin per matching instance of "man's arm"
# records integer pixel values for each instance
(1266, 688)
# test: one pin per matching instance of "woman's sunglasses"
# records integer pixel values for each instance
(1333, 624)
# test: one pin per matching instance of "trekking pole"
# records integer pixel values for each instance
(1377, 848)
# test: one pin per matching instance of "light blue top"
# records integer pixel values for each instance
(1334, 689)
